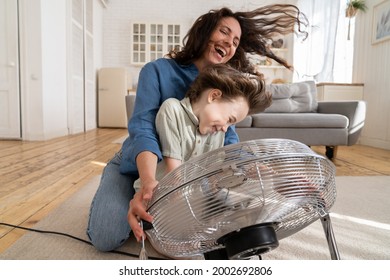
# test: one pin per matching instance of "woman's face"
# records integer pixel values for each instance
(223, 42)
(218, 114)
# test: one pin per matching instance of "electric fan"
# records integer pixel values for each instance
(241, 199)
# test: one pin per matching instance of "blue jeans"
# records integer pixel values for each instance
(108, 227)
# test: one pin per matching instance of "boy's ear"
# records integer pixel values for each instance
(214, 94)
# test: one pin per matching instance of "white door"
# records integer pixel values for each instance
(10, 126)
(89, 73)
(76, 94)
(82, 96)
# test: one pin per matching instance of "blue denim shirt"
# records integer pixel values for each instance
(158, 81)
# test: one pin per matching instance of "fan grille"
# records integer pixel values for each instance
(252, 182)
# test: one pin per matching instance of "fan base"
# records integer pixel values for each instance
(249, 241)
(219, 254)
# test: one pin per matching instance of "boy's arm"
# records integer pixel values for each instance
(171, 163)
(169, 132)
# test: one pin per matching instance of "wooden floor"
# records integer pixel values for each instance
(36, 177)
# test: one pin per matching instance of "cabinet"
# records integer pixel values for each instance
(339, 91)
(153, 40)
(114, 85)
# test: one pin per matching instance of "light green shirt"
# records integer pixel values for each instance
(177, 128)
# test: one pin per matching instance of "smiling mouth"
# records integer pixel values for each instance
(220, 51)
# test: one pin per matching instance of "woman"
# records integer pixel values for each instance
(219, 36)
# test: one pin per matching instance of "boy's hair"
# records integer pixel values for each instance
(232, 83)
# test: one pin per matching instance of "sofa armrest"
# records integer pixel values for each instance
(130, 101)
(355, 111)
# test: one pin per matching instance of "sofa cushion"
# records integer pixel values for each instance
(247, 122)
(301, 120)
(298, 97)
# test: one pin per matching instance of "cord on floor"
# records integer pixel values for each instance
(73, 237)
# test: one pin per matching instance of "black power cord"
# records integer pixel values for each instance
(73, 237)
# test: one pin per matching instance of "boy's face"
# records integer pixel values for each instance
(218, 113)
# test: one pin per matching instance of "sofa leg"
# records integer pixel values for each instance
(331, 152)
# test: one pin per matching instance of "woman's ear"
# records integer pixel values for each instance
(214, 94)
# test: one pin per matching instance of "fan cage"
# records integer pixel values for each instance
(248, 183)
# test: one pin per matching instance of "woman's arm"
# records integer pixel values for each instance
(158, 81)
(231, 136)
(142, 151)
(142, 130)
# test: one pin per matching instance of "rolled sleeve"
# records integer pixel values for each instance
(158, 81)
(142, 130)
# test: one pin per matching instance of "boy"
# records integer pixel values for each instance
(219, 97)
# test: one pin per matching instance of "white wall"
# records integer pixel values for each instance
(372, 67)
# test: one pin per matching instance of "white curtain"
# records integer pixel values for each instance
(314, 57)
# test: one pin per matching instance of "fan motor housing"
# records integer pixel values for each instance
(250, 241)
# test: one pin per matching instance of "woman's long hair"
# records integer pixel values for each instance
(258, 28)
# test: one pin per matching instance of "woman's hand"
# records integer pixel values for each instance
(147, 164)
(137, 208)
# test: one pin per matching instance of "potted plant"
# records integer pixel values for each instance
(353, 6)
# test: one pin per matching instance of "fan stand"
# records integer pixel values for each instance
(328, 229)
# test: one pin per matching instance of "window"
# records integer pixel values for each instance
(153, 41)
(326, 55)
(343, 62)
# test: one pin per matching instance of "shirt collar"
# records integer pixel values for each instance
(186, 104)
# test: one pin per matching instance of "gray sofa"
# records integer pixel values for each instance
(296, 114)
